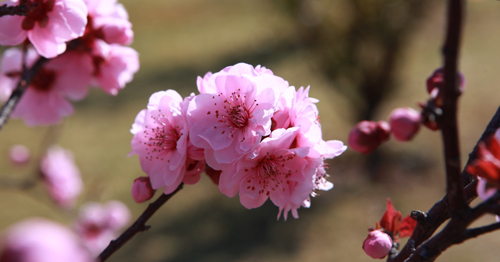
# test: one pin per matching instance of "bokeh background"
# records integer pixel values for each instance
(362, 58)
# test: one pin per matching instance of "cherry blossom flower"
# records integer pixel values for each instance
(377, 244)
(98, 224)
(61, 176)
(40, 240)
(233, 112)
(114, 66)
(273, 170)
(48, 25)
(44, 102)
(161, 142)
(109, 21)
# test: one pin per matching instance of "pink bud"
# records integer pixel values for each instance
(19, 155)
(377, 244)
(142, 190)
(436, 81)
(366, 136)
(405, 123)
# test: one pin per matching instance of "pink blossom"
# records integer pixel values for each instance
(234, 112)
(273, 170)
(115, 66)
(61, 176)
(40, 240)
(161, 142)
(405, 123)
(110, 19)
(377, 244)
(19, 155)
(44, 102)
(98, 224)
(48, 25)
(366, 136)
(484, 191)
(142, 190)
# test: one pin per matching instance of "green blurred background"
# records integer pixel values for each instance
(362, 58)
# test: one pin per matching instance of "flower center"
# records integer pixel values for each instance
(239, 116)
(271, 174)
(161, 139)
(37, 12)
(43, 80)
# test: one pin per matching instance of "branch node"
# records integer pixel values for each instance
(419, 216)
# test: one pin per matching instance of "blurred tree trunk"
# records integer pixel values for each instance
(358, 44)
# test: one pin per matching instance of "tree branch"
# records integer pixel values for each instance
(26, 78)
(21, 9)
(138, 226)
(448, 121)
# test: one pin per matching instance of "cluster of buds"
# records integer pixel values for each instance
(390, 229)
(404, 123)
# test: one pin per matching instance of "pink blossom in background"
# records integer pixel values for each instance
(142, 190)
(45, 100)
(234, 113)
(161, 140)
(114, 66)
(19, 155)
(48, 26)
(61, 176)
(484, 191)
(98, 224)
(40, 240)
(110, 21)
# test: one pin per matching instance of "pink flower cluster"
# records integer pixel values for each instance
(95, 55)
(262, 135)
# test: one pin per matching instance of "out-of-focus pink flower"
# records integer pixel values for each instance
(19, 155)
(377, 244)
(483, 190)
(233, 112)
(110, 19)
(366, 136)
(48, 25)
(405, 123)
(142, 190)
(115, 66)
(98, 224)
(487, 164)
(40, 240)
(161, 142)
(61, 176)
(44, 102)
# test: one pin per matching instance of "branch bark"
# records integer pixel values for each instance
(26, 78)
(138, 226)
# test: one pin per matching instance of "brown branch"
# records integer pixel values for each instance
(138, 226)
(26, 77)
(448, 121)
(13, 10)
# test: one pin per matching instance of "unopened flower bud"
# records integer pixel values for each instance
(142, 190)
(377, 244)
(436, 81)
(366, 136)
(19, 155)
(405, 123)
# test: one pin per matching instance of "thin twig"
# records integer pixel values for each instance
(138, 226)
(13, 10)
(26, 78)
